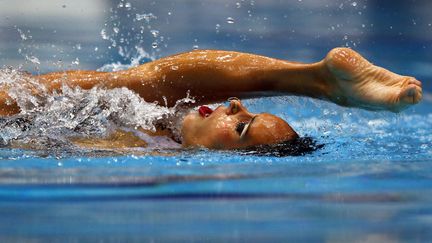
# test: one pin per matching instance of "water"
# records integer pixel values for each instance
(370, 182)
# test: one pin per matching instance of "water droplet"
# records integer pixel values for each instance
(59, 164)
(33, 59)
(154, 45)
(354, 4)
(155, 33)
(363, 25)
(104, 34)
(238, 5)
(195, 47)
(116, 30)
(96, 48)
(76, 62)
(128, 5)
(345, 37)
(169, 13)
(174, 67)
(78, 46)
(146, 17)
(22, 35)
(230, 20)
(217, 28)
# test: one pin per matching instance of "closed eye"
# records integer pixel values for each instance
(240, 127)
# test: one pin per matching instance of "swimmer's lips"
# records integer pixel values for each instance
(204, 111)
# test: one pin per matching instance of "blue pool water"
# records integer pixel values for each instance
(371, 182)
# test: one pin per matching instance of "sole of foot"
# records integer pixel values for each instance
(358, 83)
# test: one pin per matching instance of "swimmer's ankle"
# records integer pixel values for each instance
(324, 78)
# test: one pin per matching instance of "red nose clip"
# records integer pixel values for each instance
(205, 111)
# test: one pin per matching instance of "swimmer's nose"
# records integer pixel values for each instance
(235, 107)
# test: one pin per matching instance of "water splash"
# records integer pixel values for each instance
(146, 17)
(134, 39)
(33, 59)
(50, 119)
(141, 56)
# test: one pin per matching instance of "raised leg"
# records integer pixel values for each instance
(343, 77)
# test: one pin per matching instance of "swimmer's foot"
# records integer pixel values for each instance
(356, 82)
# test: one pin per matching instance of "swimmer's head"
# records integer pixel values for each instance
(233, 127)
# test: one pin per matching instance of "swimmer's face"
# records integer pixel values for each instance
(233, 127)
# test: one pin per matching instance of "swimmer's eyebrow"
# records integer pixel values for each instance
(247, 127)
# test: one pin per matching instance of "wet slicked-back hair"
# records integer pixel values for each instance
(296, 147)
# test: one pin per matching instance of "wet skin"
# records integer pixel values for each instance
(222, 129)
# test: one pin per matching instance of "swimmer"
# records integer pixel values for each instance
(343, 77)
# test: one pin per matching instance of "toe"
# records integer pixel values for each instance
(414, 81)
(411, 94)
